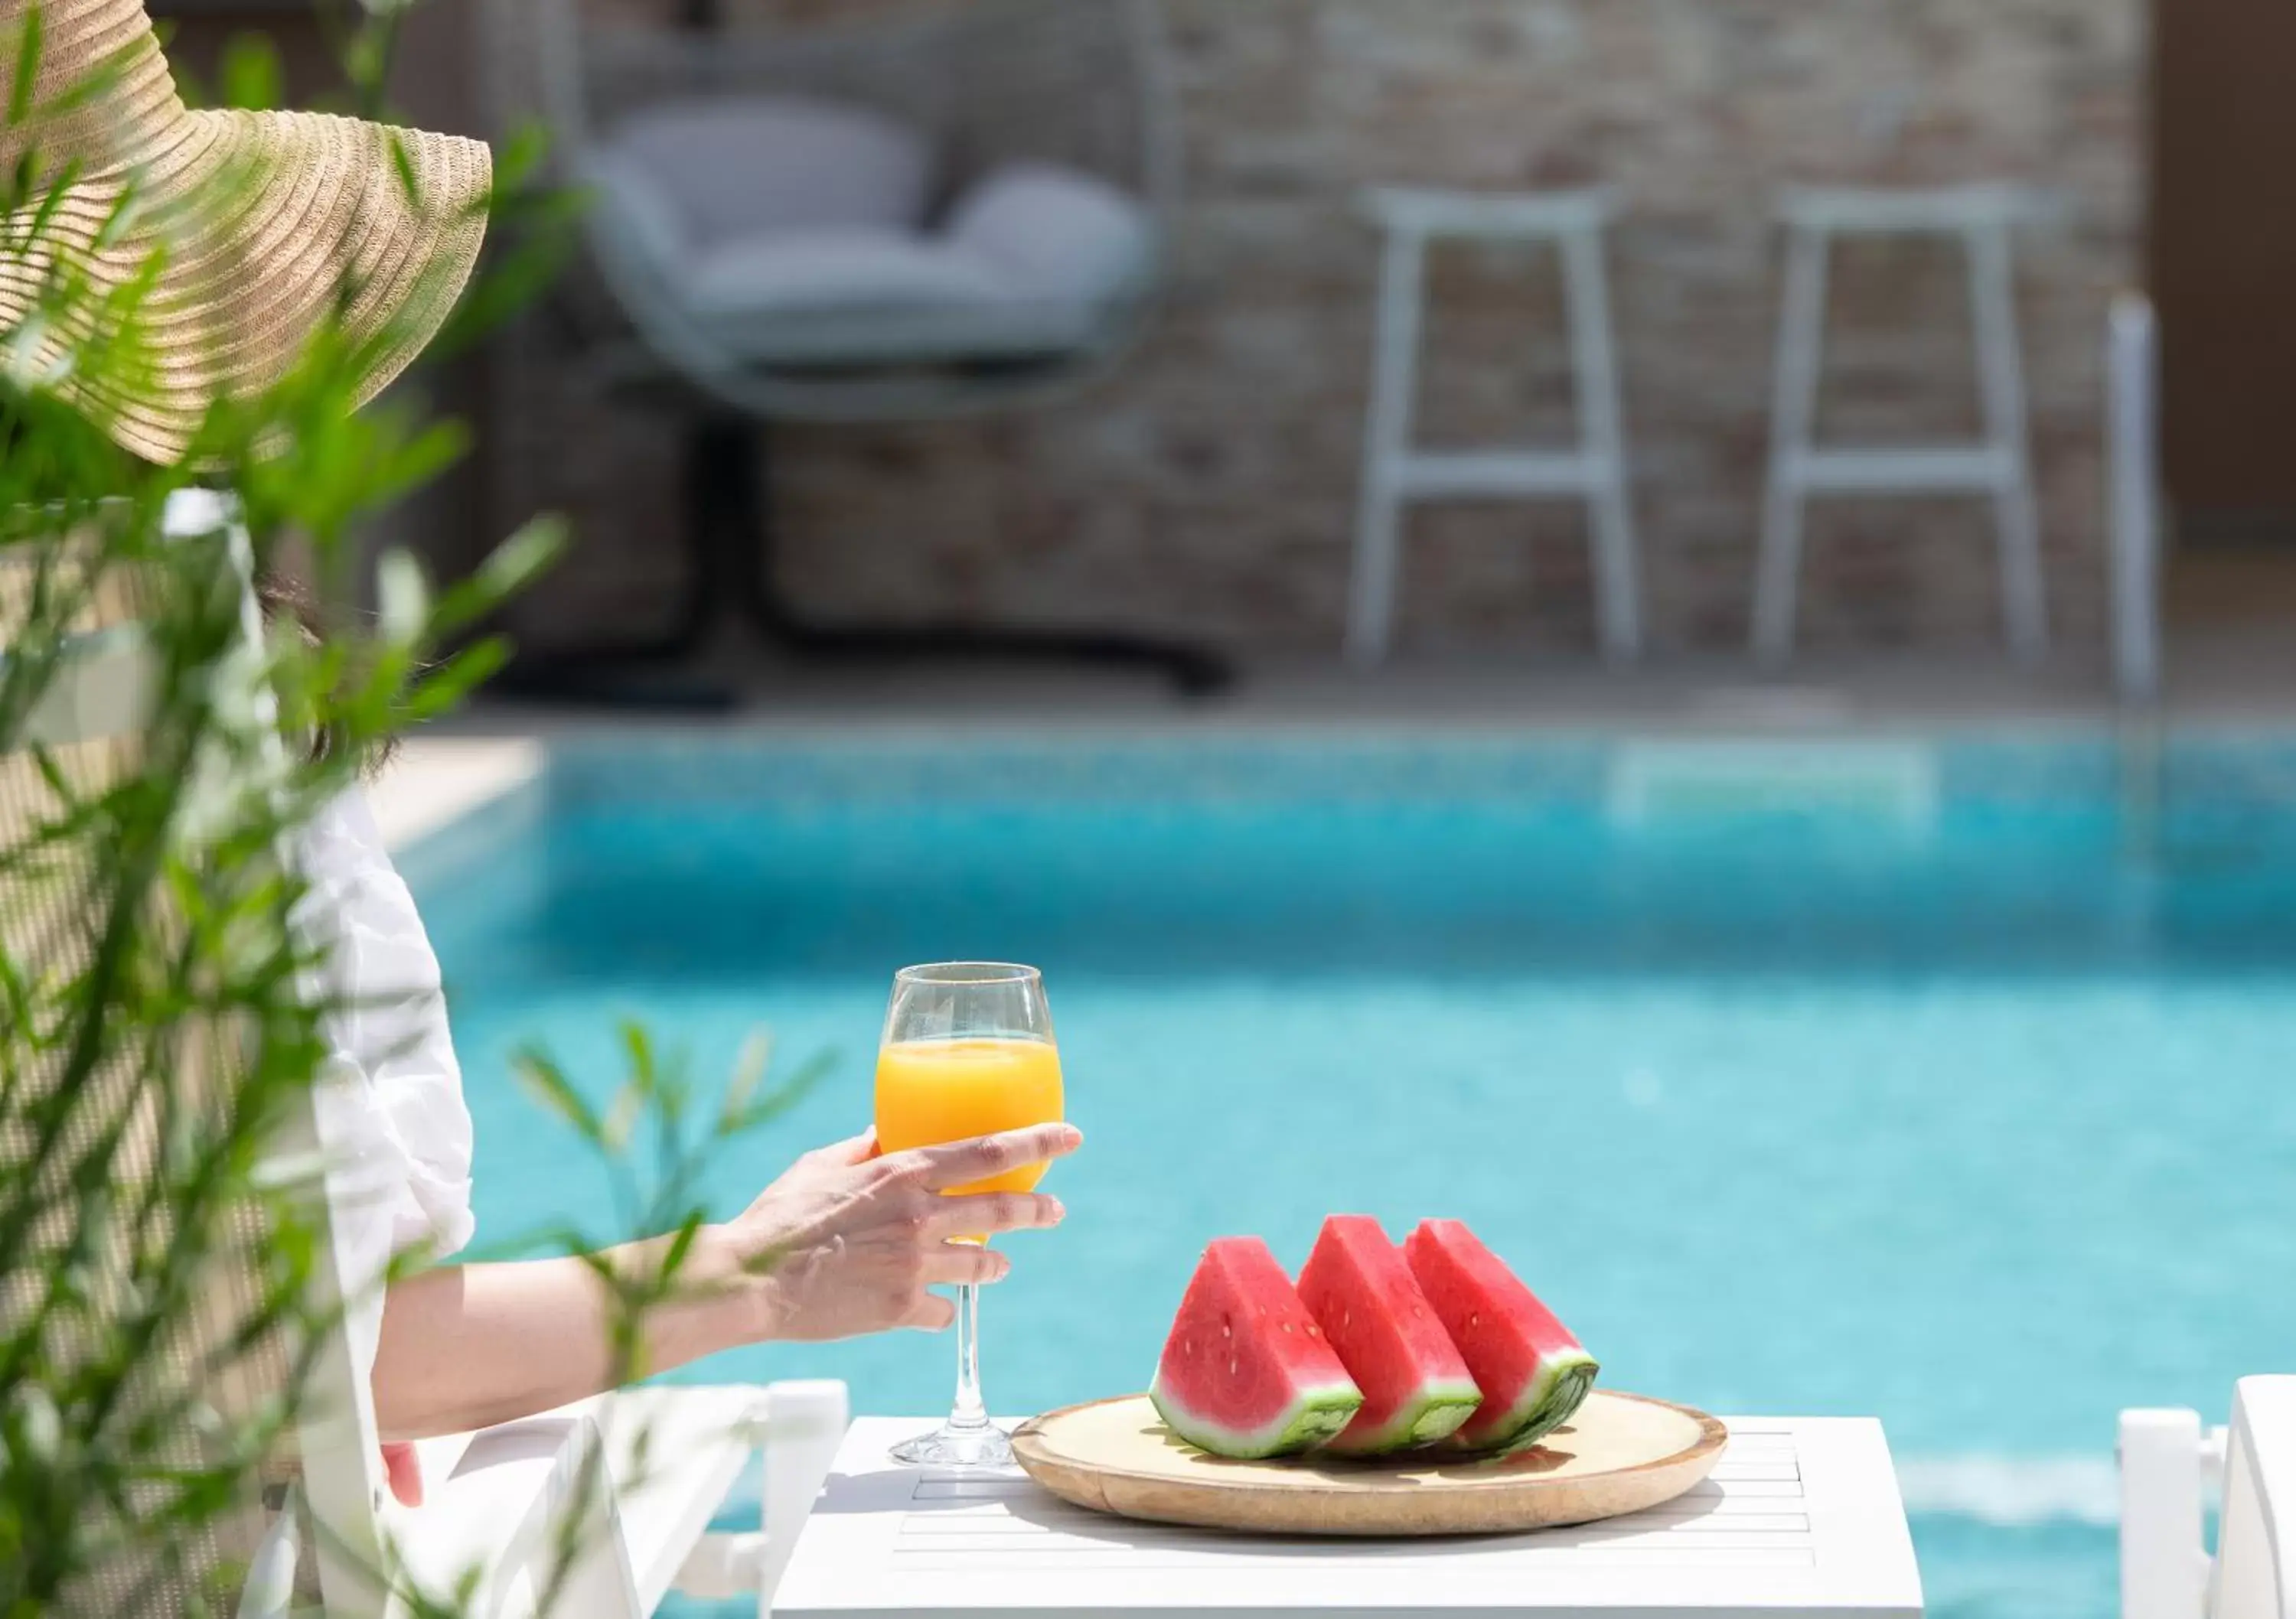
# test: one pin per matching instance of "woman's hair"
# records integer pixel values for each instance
(282, 597)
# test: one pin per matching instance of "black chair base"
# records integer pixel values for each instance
(728, 540)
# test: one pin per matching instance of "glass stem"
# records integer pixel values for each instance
(968, 1413)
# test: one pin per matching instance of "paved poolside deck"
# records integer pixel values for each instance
(439, 779)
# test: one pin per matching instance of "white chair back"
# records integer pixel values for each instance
(2255, 1573)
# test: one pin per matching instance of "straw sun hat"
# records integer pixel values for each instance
(265, 224)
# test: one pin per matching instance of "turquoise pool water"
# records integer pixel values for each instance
(1944, 1080)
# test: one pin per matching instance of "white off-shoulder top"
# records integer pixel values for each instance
(389, 1105)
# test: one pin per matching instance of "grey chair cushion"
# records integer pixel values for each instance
(844, 299)
(733, 166)
(810, 273)
(1056, 234)
(768, 256)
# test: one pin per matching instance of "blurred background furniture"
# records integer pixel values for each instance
(2136, 504)
(1395, 472)
(963, 212)
(2169, 1463)
(1980, 216)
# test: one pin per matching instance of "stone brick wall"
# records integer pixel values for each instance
(1210, 486)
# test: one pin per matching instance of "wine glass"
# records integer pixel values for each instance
(967, 1051)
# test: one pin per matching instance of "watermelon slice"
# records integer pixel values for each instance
(1416, 1389)
(1531, 1371)
(1247, 1372)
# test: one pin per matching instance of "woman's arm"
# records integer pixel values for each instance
(467, 1346)
(845, 1243)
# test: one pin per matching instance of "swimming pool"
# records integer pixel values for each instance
(1943, 1079)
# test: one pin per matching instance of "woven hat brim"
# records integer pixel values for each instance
(269, 225)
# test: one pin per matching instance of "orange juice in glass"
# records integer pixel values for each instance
(955, 1088)
(967, 1051)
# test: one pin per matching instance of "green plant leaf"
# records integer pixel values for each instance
(162, 945)
(546, 1083)
(522, 558)
(764, 1109)
(749, 1067)
(250, 73)
(621, 1120)
(681, 1246)
(637, 1047)
(26, 77)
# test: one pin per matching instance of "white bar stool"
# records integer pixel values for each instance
(1394, 473)
(2133, 468)
(1999, 465)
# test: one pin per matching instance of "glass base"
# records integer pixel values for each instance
(949, 1446)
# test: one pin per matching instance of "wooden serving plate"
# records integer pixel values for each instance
(1620, 1453)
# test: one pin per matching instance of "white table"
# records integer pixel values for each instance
(1801, 1518)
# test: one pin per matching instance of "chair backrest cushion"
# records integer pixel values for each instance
(713, 169)
(1055, 234)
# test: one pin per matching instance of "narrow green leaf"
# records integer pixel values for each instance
(521, 157)
(637, 1045)
(444, 686)
(249, 74)
(673, 1259)
(26, 78)
(622, 1119)
(780, 1100)
(404, 167)
(749, 1070)
(546, 1083)
(518, 561)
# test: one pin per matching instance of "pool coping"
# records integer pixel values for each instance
(436, 781)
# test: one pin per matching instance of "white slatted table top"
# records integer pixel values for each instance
(1801, 1517)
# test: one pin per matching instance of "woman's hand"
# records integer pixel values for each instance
(847, 1241)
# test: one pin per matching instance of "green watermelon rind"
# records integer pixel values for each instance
(1563, 1382)
(1434, 1415)
(1315, 1416)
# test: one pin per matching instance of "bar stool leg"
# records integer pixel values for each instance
(1601, 440)
(2132, 451)
(1992, 298)
(1793, 415)
(1387, 437)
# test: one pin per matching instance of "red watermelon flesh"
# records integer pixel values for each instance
(1531, 1371)
(1247, 1372)
(1416, 1389)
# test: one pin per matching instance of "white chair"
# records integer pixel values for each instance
(497, 1500)
(964, 210)
(1999, 465)
(2168, 1461)
(1395, 473)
